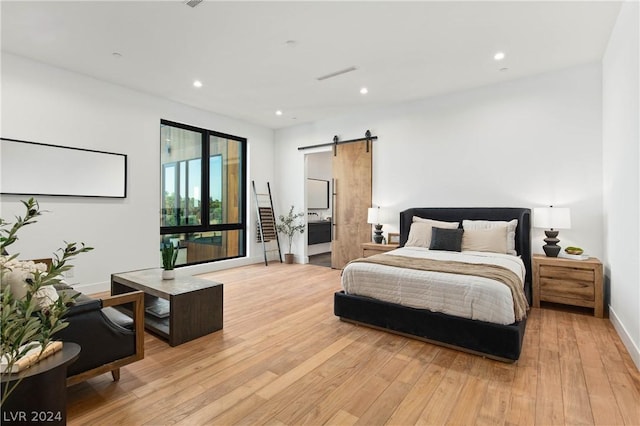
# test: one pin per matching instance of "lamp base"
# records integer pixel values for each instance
(377, 237)
(551, 249)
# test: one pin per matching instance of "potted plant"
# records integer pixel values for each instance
(31, 310)
(169, 256)
(289, 225)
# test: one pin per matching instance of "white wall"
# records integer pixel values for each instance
(49, 105)
(524, 143)
(621, 161)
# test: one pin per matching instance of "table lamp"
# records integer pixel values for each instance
(373, 217)
(551, 219)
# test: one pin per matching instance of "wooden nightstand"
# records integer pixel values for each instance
(568, 281)
(369, 249)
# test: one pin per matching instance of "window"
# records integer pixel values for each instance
(203, 196)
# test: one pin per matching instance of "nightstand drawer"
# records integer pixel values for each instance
(565, 273)
(551, 288)
(368, 252)
(369, 249)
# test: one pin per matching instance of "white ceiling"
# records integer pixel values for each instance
(239, 50)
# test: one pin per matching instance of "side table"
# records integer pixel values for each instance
(568, 281)
(41, 397)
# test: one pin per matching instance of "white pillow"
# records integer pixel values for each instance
(420, 231)
(17, 281)
(46, 296)
(488, 224)
(491, 239)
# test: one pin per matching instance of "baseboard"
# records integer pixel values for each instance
(93, 288)
(223, 264)
(634, 351)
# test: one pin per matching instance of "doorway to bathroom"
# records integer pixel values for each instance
(319, 207)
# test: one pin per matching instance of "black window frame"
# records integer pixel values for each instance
(204, 225)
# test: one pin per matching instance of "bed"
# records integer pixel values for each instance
(501, 341)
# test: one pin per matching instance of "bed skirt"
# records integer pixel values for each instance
(500, 342)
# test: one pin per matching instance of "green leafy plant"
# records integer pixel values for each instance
(169, 256)
(25, 323)
(289, 225)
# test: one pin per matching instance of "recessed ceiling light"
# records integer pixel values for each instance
(498, 56)
(278, 112)
(364, 91)
(197, 83)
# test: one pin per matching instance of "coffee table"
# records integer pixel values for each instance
(179, 310)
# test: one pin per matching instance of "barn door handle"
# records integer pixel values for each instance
(333, 209)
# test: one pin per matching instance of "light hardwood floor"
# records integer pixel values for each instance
(284, 358)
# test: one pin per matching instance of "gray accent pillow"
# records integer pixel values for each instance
(420, 231)
(446, 239)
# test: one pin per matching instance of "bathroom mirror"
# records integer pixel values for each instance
(317, 194)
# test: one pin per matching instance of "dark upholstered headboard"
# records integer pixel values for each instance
(458, 214)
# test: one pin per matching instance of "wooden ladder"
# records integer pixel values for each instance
(266, 221)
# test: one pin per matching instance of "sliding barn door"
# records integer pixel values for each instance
(352, 197)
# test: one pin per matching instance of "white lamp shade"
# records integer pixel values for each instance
(373, 215)
(552, 217)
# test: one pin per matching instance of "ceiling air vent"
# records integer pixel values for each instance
(193, 3)
(337, 73)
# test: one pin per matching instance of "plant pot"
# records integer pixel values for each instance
(288, 258)
(168, 274)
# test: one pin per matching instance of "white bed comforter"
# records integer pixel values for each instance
(458, 295)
